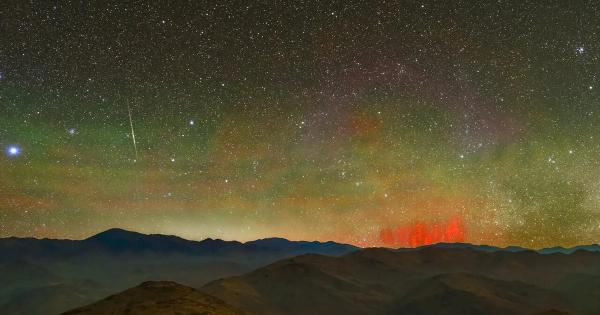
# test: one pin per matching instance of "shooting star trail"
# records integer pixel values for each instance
(132, 133)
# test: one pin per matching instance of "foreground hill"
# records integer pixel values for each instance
(467, 293)
(427, 281)
(44, 276)
(158, 298)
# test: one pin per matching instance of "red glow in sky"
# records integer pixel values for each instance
(421, 233)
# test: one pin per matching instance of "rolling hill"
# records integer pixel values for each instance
(427, 281)
(158, 298)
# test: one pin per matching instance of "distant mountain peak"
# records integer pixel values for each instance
(270, 241)
(116, 233)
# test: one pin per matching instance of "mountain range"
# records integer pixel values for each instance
(62, 274)
(428, 281)
(278, 276)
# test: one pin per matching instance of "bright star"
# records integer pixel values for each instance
(191, 122)
(72, 131)
(13, 150)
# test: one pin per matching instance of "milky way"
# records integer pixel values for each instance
(379, 124)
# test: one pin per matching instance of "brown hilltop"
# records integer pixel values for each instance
(158, 298)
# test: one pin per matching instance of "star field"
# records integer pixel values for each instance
(374, 123)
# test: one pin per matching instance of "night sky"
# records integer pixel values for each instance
(377, 123)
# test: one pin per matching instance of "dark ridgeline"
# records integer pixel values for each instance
(45, 276)
(118, 241)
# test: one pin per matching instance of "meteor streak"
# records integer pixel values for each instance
(132, 132)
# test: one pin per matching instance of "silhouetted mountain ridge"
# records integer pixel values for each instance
(46, 270)
(123, 240)
(117, 259)
(114, 241)
(433, 280)
(570, 250)
(277, 243)
(487, 248)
